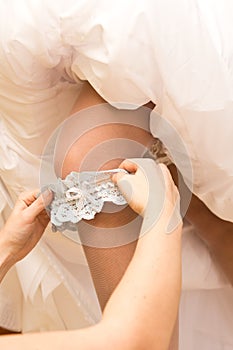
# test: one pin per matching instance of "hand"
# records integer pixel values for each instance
(135, 186)
(25, 225)
(149, 190)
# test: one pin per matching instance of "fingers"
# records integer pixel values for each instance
(29, 197)
(39, 204)
(134, 185)
(150, 189)
(26, 199)
(174, 218)
(129, 166)
(125, 186)
(166, 175)
(133, 167)
(31, 205)
(117, 177)
(169, 183)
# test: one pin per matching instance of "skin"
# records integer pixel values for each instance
(24, 228)
(121, 256)
(130, 310)
(100, 260)
(214, 232)
(217, 234)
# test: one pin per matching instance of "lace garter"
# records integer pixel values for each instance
(81, 196)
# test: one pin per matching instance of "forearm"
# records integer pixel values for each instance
(5, 258)
(142, 310)
(147, 298)
(4, 267)
(97, 337)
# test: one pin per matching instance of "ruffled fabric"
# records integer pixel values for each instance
(42, 284)
(115, 58)
(206, 306)
(176, 54)
(36, 94)
(206, 319)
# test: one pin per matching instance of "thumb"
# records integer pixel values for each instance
(117, 177)
(124, 183)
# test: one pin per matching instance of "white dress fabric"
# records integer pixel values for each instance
(177, 54)
(54, 287)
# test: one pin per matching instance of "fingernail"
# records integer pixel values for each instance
(47, 196)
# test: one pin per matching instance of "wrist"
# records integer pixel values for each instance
(6, 261)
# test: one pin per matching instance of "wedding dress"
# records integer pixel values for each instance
(175, 54)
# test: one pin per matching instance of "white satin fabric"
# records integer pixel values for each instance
(177, 54)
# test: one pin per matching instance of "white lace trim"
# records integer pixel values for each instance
(82, 196)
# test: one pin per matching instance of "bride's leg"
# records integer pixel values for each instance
(216, 233)
(107, 265)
